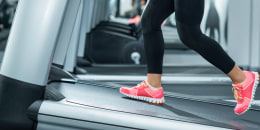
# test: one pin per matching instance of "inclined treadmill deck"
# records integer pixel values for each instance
(106, 97)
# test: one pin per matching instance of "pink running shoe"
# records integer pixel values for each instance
(143, 92)
(244, 93)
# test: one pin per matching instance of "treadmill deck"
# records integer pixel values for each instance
(102, 95)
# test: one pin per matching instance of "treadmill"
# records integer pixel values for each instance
(31, 100)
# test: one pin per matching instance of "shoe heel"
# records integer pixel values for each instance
(257, 76)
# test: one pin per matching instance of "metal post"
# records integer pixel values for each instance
(66, 32)
(71, 57)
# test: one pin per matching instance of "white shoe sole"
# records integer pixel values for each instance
(146, 99)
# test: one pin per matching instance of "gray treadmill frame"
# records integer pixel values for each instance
(71, 55)
(31, 64)
(82, 26)
(66, 32)
(85, 25)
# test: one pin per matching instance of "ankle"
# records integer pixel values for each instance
(154, 80)
(237, 75)
(239, 80)
(154, 85)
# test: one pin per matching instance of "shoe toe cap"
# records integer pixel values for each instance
(240, 108)
(126, 90)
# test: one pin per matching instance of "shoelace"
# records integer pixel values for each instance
(237, 93)
(140, 84)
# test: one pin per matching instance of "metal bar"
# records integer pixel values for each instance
(185, 79)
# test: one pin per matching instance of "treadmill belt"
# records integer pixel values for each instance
(110, 98)
(218, 113)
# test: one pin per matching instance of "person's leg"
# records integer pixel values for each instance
(154, 14)
(152, 18)
(188, 18)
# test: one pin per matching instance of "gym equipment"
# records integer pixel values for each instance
(113, 45)
(29, 100)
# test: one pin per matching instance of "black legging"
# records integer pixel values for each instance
(189, 14)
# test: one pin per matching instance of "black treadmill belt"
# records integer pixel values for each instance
(223, 92)
(218, 113)
(173, 106)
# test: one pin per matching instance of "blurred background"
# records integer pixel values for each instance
(223, 21)
(7, 11)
